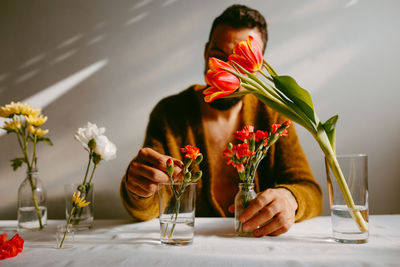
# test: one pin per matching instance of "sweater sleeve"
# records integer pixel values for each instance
(140, 208)
(294, 173)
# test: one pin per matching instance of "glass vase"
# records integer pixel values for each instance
(32, 203)
(82, 218)
(355, 171)
(177, 215)
(242, 200)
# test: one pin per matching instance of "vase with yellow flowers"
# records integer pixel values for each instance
(25, 121)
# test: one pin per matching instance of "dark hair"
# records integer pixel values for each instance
(240, 16)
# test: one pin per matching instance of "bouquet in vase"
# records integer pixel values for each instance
(25, 121)
(282, 93)
(246, 157)
(193, 158)
(99, 148)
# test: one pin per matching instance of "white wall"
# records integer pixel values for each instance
(110, 62)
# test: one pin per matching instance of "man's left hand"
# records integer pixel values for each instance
(273, 211)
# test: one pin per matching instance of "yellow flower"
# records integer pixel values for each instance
(19, 109)
(79, 201)
(13, 125)
(37, 131)
(36, 120)
(4, 112)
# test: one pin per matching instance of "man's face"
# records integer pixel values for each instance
(223, 40)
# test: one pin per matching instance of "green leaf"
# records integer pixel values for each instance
(330, 124)
(45, 140)
(302, 98)
(17, 162)
(330, 129)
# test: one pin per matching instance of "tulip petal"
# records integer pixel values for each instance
(248, 54)
(213, 93)
(216, 65)
(256, 50)
(226, 81)
(242, 61)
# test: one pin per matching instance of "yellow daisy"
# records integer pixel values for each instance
(37, 131)
(79, 201)
(36, 120)
(12, 125)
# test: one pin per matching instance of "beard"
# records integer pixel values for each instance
(225, 103)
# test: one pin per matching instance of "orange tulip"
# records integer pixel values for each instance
(248, 54)
(222, 82)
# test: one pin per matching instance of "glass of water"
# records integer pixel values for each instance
(355, 171)
(177, 214)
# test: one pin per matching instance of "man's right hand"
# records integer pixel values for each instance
(147, 170)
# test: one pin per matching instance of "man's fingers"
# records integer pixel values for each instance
(140, 192)
(158, 160)
(145, 184)
(256, 205)
(277, 226)
(263, 217)
(155, 159)
(151, 173)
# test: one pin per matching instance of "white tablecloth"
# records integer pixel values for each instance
(122, 243)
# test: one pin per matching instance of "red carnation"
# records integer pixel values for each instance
(10, 248)
(192, 152)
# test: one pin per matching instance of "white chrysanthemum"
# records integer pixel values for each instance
(87, 133)
(105, 148)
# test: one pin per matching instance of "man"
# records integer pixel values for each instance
(287, 190)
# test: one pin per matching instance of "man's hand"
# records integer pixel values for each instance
(275, 208)
(147, 170)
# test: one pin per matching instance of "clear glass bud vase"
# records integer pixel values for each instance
(32, 202)
(242, 200)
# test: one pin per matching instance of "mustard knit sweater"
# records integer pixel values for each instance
(176, 121)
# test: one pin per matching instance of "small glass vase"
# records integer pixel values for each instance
(242, 200)
(82, 218)
(32, 203)
(355, 171)
(65, 236)
(177, 215)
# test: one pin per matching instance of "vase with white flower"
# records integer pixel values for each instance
(25, 121)
(99, 148)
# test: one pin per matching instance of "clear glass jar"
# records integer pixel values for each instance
(32, 203)
(82, 218)
(242, 200)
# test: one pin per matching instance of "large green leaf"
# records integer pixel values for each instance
(289, 87)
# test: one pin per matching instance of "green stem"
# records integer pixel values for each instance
(269, 68)
(356, 214)
(87, 169)
(34, 161)
(91, 176)
(177, 207)
(33, 187)
(68, 222)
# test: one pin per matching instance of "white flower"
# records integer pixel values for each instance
(90, 131)
(105, 148)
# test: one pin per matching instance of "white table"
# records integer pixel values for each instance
(122, 243)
